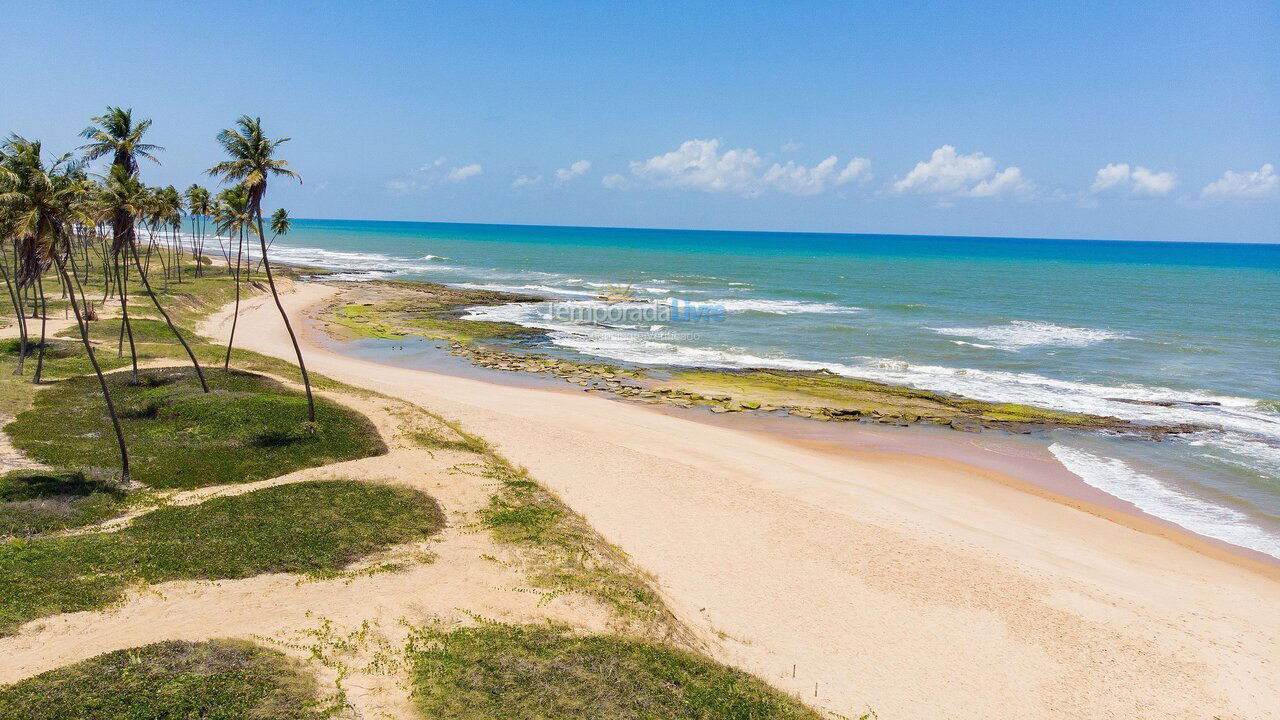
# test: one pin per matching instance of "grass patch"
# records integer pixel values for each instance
(569, 555)
(145, 330)
(444, 438)
(395, 309)
(214, 680)
(249, 428)
(36, 502)
(528, 672)
(314, 527)
(62, 359)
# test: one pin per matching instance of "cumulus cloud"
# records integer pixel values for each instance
(1008, 180)
(857, 170)
(954, 174)
(614, 181)
(465, 172)
(565, 174)
(433, 175)
(800, 180)
(1119, 177)
(699, 165)
(526, 181)
(1257, 183)
(702, 165)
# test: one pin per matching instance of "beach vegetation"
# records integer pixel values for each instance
(530, 672)
(567, 555)
(232, 216)
(34, 502)
(212, 680)
(309, 527)
(241, 432)
(124, 199)
(37, 200)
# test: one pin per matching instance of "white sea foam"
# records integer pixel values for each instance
(339, 260)
(524, 289)
(1019, 334)
(783, 307)
(1253, 453)
(1117, 478)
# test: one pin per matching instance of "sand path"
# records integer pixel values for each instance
(917, 587)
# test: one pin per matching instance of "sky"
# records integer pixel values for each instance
(1135, 120)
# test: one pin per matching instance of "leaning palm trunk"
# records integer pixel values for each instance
(126, 328)
(266, 264)
(155, 300)
(44, 322)
(17, 309)
(235, 317)
(102, 381)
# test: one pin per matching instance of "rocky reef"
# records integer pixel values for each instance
(399, 309)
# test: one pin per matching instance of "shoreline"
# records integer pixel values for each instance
(477, 361)
(988, 454)
(779, 554)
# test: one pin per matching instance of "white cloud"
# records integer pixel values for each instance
(857, 170)
(800, 180)
(526, 181)
(1008, 180)
(699, 165)
(1110, 176)
(614, 181)
(1116, 177)
(791, 146)
(566, 174)
(1258, 183)
(950, 173)
(465, 172)
(432, 175)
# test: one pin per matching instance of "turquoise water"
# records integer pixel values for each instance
(1075, 325)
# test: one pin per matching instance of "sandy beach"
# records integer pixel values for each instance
(918, 587)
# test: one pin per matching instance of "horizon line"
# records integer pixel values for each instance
(803, 232)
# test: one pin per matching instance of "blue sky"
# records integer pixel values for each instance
(1129, 120)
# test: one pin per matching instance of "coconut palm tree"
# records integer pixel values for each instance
(251, 162)
(125, 193)
(280, 224)
(199, 208)
(115, 133)
(232, 215)
(38, 198)
(8, 238)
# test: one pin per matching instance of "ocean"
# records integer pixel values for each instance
(1065, 324)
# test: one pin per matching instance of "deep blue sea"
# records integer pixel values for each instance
(1069, 324)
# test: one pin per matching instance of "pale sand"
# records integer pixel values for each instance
(916, 587)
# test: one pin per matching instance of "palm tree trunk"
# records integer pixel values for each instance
(44, 323)
(195, 363)
(122, 280)
(306, 381)
(102, 381)
(17, 309)
(226, 363)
